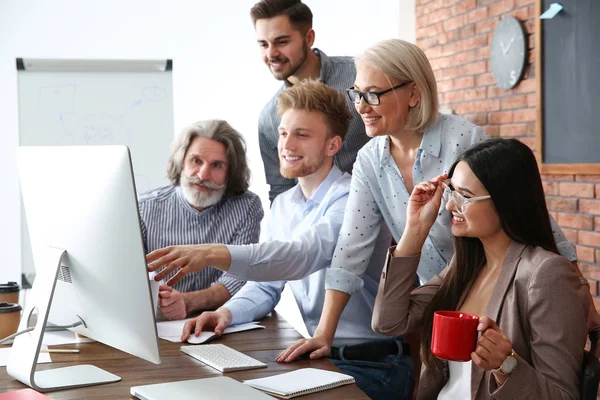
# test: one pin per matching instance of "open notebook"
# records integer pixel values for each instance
(300, 382)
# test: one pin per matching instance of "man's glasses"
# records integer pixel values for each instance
(371, 98)
(460, 201)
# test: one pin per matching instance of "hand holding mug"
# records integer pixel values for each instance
(493, 346)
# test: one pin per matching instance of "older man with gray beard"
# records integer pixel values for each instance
(208, 201)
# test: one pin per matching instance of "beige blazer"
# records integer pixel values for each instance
(539, 302)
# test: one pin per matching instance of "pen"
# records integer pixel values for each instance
(59, 351)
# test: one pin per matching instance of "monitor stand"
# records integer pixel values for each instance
(26, 347)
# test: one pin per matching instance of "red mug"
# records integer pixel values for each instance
(454, 335)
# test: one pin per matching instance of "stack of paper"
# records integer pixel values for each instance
(171, 331)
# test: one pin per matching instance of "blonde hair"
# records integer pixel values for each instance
(312, 95)
(238, 173)
(406, 62)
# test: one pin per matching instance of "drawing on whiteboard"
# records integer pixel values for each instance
(100, 128)
(56, 99)
(153, 93)
(148, 94)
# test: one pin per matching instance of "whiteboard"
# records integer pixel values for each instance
(98, 102)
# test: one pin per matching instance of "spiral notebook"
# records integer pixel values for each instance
(300, 382)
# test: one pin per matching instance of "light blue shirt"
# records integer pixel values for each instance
(378, 194)
(301, 238)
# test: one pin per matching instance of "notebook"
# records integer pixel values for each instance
(300, 382)
(23, 394)
(219, 388)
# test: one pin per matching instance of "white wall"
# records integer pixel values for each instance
(217, 72)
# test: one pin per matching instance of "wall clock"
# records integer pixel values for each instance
(508, 53)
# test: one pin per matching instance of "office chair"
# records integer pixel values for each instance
(590, 378)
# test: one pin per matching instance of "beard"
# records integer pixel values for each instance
(307, 167)
(198, 198)
(292, 69)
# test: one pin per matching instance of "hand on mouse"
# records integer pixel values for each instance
(216, 321)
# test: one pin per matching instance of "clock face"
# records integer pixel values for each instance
(508, 53)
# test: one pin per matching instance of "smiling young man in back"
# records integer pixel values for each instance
(285, 36)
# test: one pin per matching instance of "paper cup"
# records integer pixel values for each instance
(10, 315)
(9, 292)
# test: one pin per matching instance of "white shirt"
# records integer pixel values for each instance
(458, 385)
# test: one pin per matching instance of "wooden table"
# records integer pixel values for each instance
(262, 344)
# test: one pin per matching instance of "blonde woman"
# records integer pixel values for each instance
(396, 95)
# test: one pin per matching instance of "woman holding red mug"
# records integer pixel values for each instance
(506, 269)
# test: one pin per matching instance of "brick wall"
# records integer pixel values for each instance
(456, 35)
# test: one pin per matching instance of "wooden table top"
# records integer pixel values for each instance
(262, 344)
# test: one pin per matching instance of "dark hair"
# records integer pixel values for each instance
(238, 173)
(509, 172)
(298, 13)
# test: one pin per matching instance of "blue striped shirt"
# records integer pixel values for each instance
(337, 72)
(168, 219)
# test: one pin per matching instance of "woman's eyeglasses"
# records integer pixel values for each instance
(460, 201)
(371, 98)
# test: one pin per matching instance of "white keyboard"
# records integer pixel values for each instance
(222, 358)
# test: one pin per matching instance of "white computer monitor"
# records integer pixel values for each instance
(82, 214)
